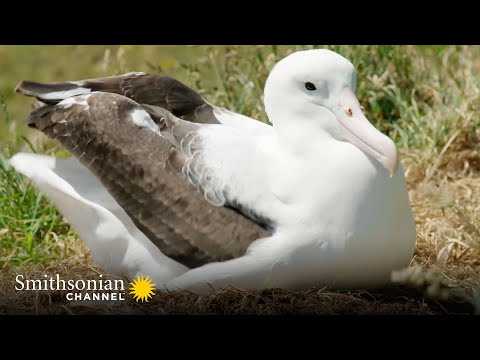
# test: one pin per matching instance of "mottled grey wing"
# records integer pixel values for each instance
(130, 161)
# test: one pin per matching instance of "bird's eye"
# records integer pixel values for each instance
(310, 86)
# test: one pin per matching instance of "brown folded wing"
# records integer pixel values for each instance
(130, 161)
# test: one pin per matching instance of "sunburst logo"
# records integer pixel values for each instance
(142, 288)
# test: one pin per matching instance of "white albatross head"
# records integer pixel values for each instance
(317, 88)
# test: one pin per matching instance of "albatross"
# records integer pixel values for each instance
(163, 183)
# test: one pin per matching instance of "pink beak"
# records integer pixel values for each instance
(361, 133)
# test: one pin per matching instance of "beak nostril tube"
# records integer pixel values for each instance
(349, 111)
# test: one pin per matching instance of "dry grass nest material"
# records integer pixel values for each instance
(408, 296)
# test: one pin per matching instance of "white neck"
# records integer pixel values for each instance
(301, 127)
(300, 140)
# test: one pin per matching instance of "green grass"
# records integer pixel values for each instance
(30, 225)
(426, 98)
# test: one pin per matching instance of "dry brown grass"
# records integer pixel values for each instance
(391, 300)
(443, 174)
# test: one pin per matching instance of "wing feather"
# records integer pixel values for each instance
(101, 122)
(130, 161)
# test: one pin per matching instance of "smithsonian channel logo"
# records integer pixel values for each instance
(141, 288)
